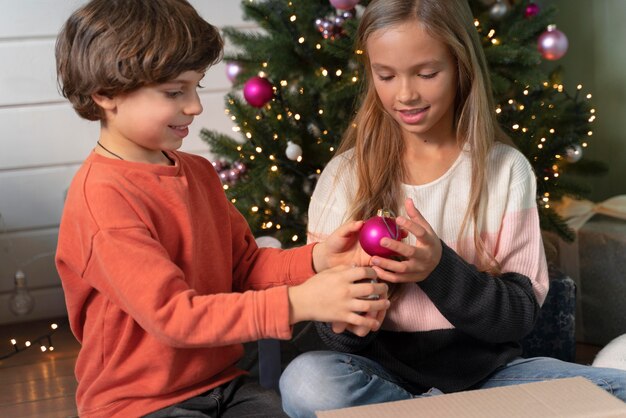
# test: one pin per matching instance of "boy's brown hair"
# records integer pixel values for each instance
(111, 47)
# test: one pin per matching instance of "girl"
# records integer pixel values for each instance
(472, 277)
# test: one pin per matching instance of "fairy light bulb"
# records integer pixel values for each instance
(21, 302)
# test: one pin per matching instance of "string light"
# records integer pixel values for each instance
(44, 342)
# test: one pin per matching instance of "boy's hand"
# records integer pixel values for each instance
(333, 296)
(418, 261)
(340, 248)
(379, 316)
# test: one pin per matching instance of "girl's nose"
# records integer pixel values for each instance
(408, 92)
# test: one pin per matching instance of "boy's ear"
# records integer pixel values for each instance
(105, 102)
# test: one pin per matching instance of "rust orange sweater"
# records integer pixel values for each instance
(163, 282)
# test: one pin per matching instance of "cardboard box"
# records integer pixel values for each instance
(571, 397)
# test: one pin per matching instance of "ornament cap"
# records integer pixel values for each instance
(384, 213)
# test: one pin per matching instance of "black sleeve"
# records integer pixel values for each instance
(491, 308)
(346, 342)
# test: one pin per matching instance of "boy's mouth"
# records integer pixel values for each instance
(180, 130)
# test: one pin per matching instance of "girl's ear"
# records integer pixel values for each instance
(105, 102)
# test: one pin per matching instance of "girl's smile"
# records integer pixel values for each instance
(413, 116)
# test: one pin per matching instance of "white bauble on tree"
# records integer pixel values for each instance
(573, 153)
(268, 242)
(293, 151)
(499, 10)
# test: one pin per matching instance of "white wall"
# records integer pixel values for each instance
(42, 141)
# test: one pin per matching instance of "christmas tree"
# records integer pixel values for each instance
(297, 79)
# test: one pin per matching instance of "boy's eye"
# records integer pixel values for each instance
(200, 86)
(173, 94)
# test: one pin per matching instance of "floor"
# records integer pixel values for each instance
(42, 384)
(35, 383)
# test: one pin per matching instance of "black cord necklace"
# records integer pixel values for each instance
(110, 152)
(171, 161)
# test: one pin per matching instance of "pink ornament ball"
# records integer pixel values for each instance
(373, 230)
(532, 10)
(344, 4)
(552, 44)
(232, 71)
(258, 91)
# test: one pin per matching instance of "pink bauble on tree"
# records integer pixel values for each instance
(374, 229)
(344, 4)
(232, 70)
(552, 44)
(531, 10)
(258, 91)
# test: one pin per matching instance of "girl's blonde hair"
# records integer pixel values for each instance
(376, 136)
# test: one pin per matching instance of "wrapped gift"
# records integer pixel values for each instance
(553, 334)
(597, 263)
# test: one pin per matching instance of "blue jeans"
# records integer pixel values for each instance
(323, 380)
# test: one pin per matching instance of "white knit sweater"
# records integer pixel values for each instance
(509, 225)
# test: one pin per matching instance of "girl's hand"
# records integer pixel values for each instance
(340, 248)
(333, 296)
(419, 260)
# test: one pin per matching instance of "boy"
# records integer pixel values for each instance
(163, 280)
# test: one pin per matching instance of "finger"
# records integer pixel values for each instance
(370, 290)
(367, 305)
(360, 331)
(410, 208)
(397, 266)
(356, 273)
(414, 226)
(400, 248)
(380, 316)
(339, 327)
(390, 276)
(349, 228)
(415, 215)
(361, 321)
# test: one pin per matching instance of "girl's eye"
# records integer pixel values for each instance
(428, 76)
(385, 77)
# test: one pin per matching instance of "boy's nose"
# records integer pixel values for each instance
(193, 106)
